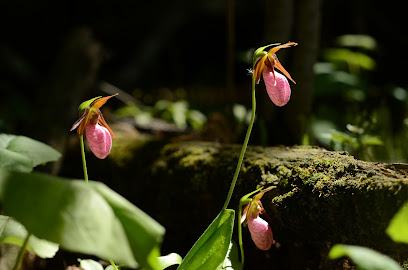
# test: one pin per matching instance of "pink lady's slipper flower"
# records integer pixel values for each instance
(261, 232)
(276, 84)
(98, 133)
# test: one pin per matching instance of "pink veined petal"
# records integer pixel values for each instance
(99, 140)
(261, 233)
(279, 89)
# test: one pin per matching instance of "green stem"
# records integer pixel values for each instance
(21, 253)
(113, 264)
(244, 146)
(81, 139)
(241, 246)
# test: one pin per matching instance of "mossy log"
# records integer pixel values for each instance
(321, 197)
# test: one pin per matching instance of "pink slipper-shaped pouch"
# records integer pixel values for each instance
(278, 89)
(261, 233)
(99, 140)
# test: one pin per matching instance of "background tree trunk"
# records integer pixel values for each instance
(299, 21)
(69, 83)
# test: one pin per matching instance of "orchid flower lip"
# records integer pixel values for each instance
(99, 140)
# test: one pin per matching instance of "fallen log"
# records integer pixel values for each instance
(321, 197)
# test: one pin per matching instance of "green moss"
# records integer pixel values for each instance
(281, 198)
(124, 149)
(269, 179)
(303, 173)
(284, 171)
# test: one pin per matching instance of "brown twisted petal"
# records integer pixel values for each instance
(84, 123)
(259, 66)
(81, 118)
(279, 66)
(103, 123)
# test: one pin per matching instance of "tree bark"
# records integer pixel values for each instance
(69, 83)
(298, 21)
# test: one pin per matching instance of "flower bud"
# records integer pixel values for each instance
(277, 87)
(261, 233)
(99, 140)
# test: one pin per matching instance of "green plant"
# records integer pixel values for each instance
(368, 259)
(177, 113)
(217, 237)
(46, 212)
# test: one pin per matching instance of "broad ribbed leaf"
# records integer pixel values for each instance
(143, 232)
(211, 248)
(231, 261)
(20, 153)
(80, 218)
(12, 232)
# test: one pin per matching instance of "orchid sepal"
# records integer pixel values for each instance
(268, 60)
(260, 52)
(87, 104)
(246, 200)
(90, 113)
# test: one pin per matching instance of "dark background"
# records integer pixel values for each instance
(53, 55)
(56, 54)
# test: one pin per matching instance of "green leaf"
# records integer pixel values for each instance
(84, 218)
(364, 258)
(169, 260)
(196, 119)
(178, 112)
(357, 59)
(15, 161)
(371, 140)
(20, 153)
(90, 265)
(359, 41)
(231, 261)
(211, 248)
(86, 104)
(341, 137)
(398, 227)
(143, 232)
(13, 232)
